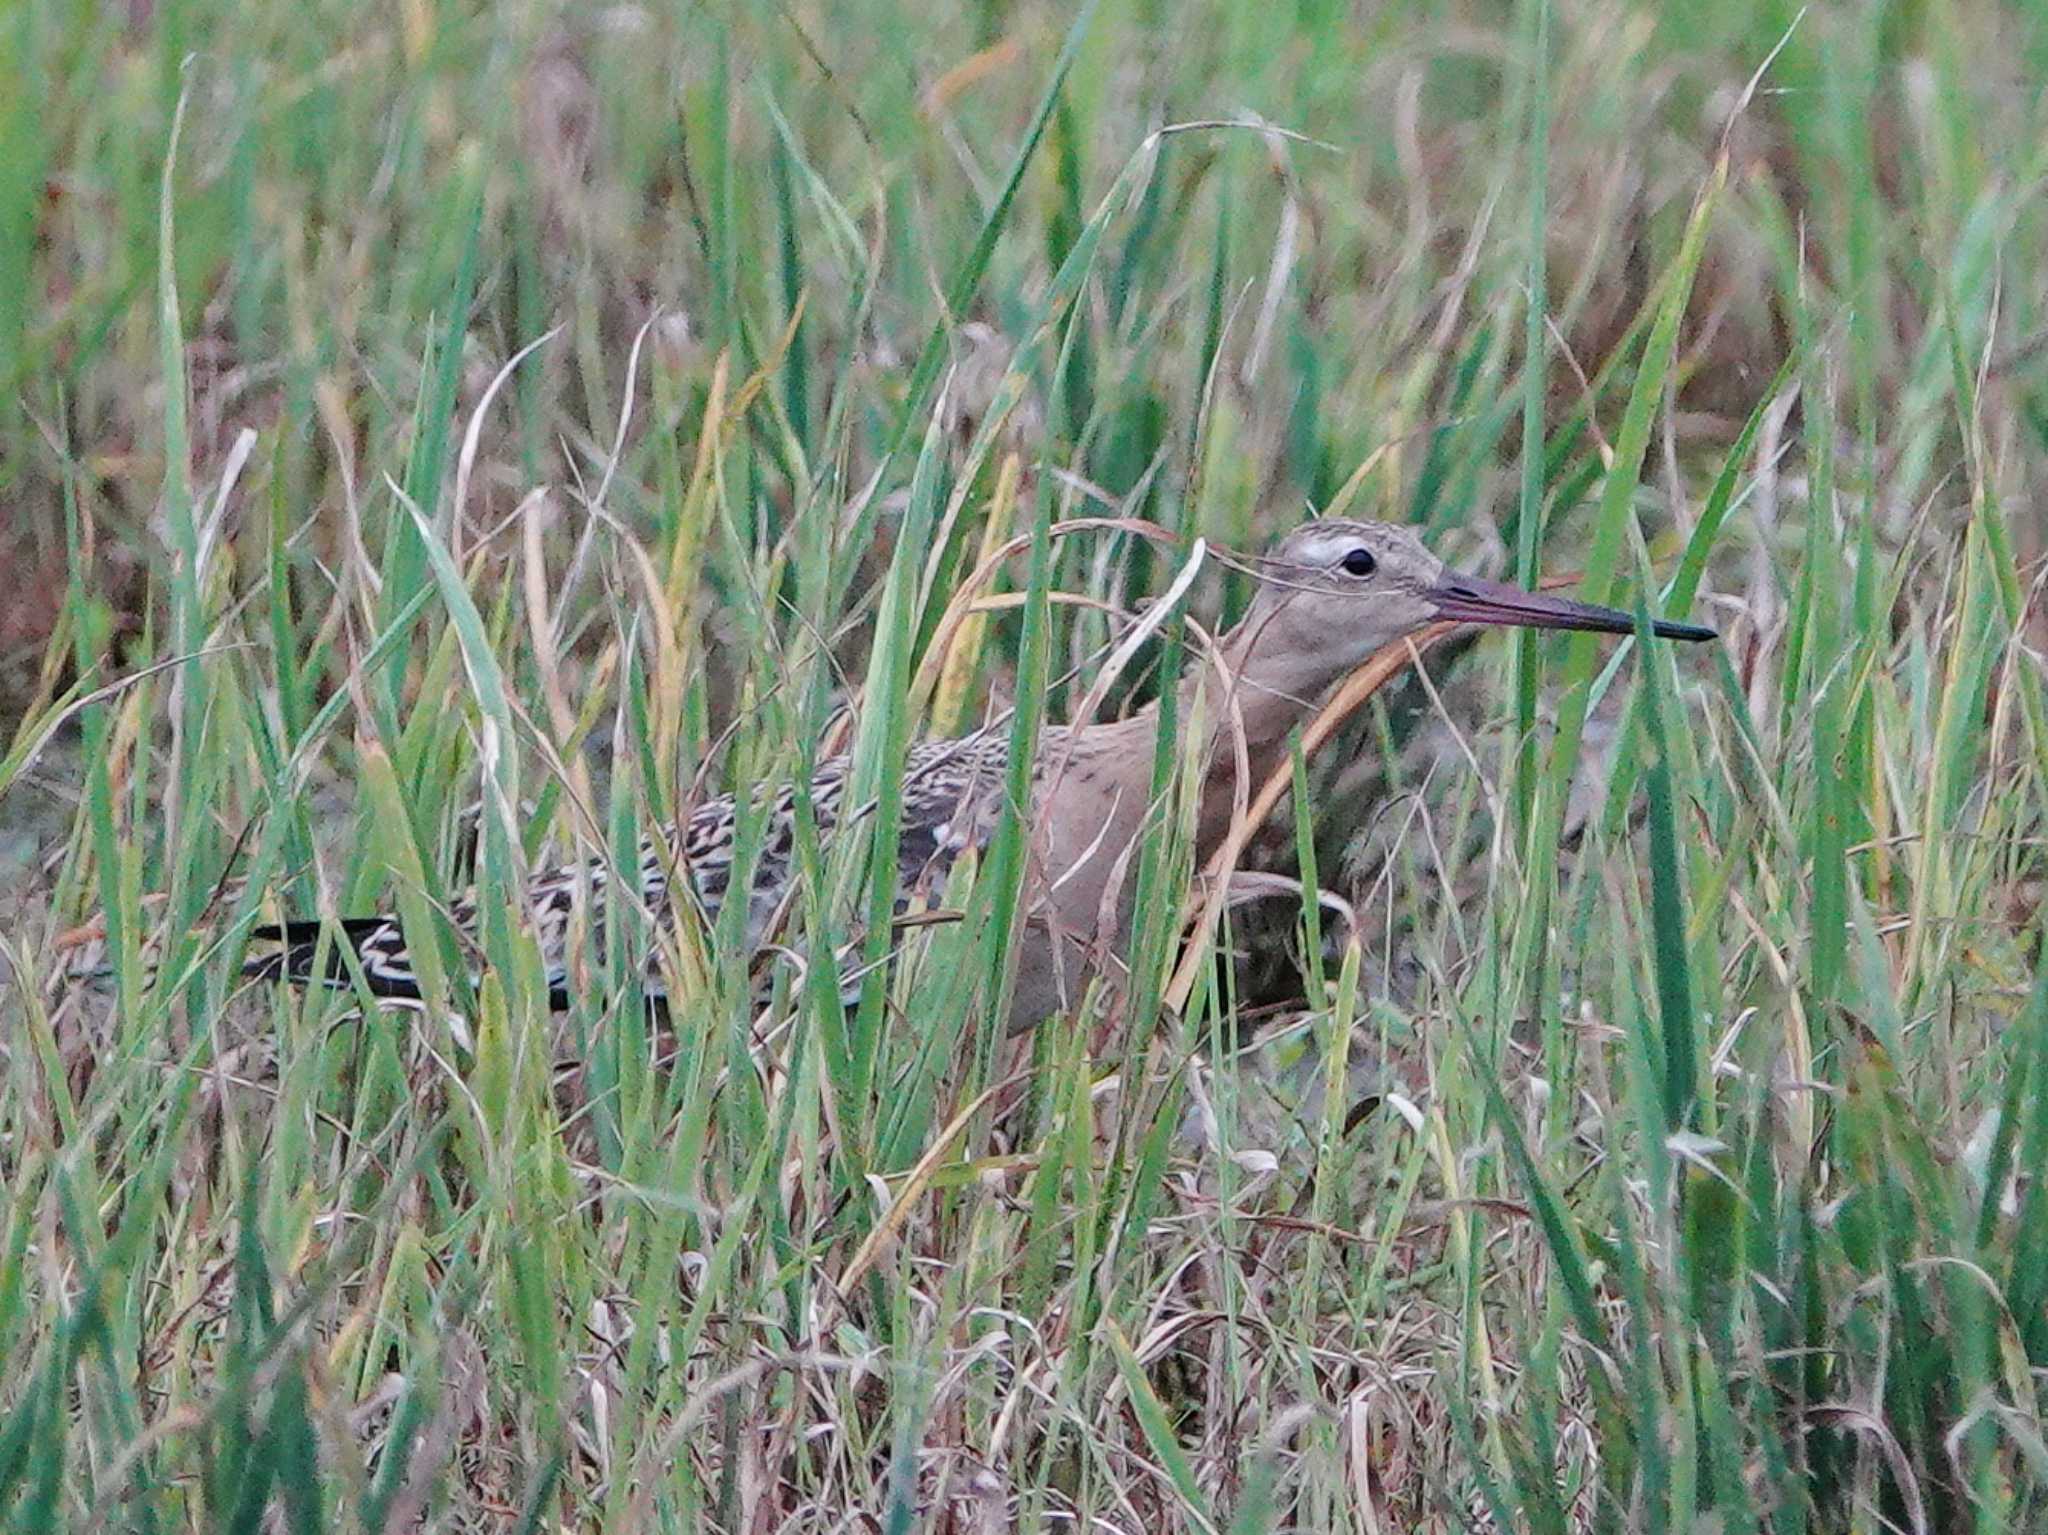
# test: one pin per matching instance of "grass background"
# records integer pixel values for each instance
(1649, 1141)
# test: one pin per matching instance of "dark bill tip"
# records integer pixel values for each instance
(1476, 600)
(1671, 629)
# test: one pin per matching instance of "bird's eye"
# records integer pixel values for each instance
(1360, 562)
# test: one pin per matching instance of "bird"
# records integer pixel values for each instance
(1327, 596)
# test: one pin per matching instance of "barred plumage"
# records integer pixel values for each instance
(949, 805)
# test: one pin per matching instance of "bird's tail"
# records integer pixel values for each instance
(377, 942)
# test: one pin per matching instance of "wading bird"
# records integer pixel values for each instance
(1329, 595)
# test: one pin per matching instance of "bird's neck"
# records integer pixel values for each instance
(1243, 704)
(1251, 687)
(1246, 708)
(1239, 708)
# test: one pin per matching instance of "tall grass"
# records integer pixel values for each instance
(1642, 1132)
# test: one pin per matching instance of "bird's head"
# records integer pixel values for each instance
(1334, 591)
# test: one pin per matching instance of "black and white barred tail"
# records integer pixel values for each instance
(949, 805)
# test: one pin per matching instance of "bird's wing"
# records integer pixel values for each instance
(952, 801)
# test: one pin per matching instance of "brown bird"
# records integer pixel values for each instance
(1330, 594)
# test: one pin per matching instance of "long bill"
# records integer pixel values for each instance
(1476, 600)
